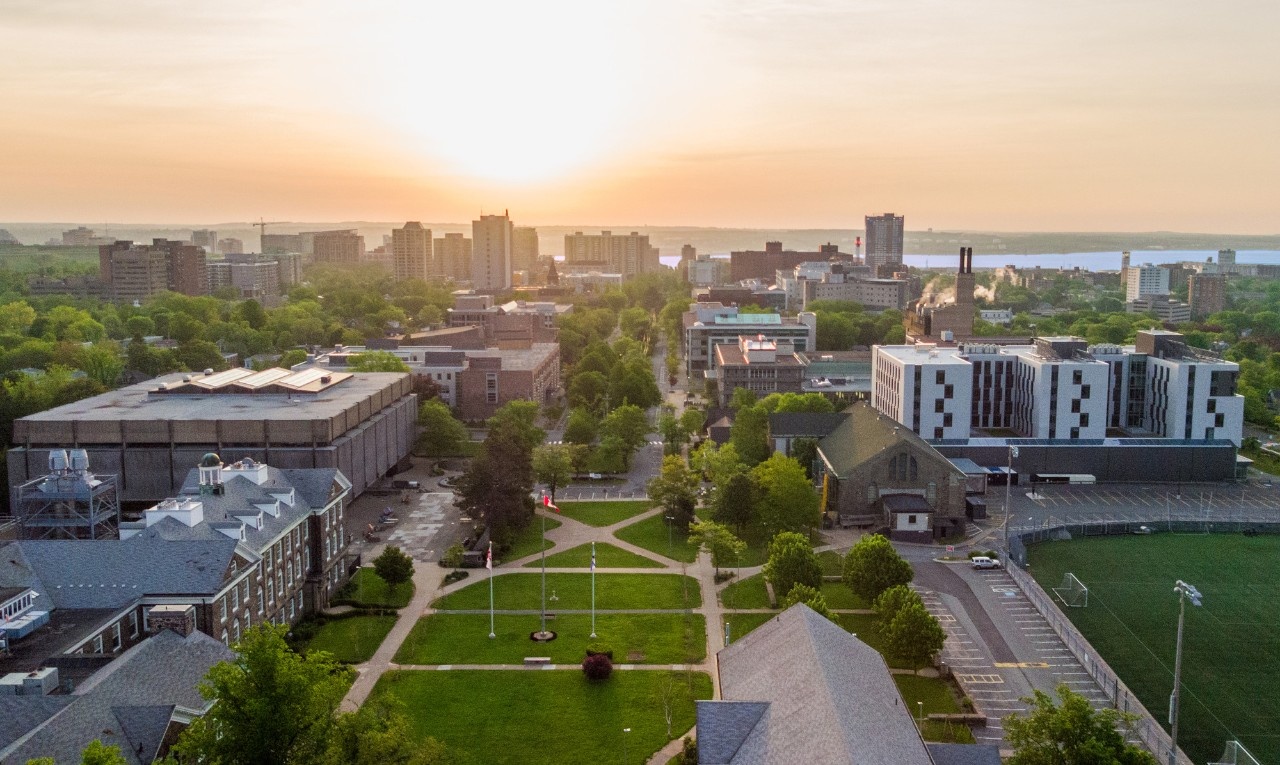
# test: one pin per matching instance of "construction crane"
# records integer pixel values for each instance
(262, 228)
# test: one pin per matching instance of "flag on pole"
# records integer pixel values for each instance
(593, 556)
(488, 558)
(546, 501)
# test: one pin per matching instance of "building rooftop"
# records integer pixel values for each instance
(139, 402)
(864, 434)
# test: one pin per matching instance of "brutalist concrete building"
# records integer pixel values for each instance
(150, 434)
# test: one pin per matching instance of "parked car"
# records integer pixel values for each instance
(982, 561)
(594, 476)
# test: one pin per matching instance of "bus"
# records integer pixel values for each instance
(1072, 478)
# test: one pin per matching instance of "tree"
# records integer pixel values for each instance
(522, 415)
(272, 706)
(873, 566)
(377, 361)
(378, 734)
(291, 358)
(631, 382)
(98, 753)
(1071, 732)
(750, 433)
(251, 313)
(787, 500)
(676, 489)
(581, 427)
(791, 562)
(16, 318)
(553, 466)
(442, 434)
(718, 540)
(893, 600)
(811, 597)
(198, 355)
(498, 483)
(914, 635)
(102, 363)
(588, 390)
(597, 666)
(673, 432)
(737, 501)
(393, 566)
(630, 426)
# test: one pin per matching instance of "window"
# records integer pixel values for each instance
(946, 420)
(133, 624)
(116, 642)
(1084, 420)
(937, 432)
(939, 377)
(1084, 391)
(1075, 432)
(222, 610)
(1077, 377)
(911, 519)
(97, 643)
(262, 601)
(1219, 420)
(1075, 406)
(949, 391)
(938, 405)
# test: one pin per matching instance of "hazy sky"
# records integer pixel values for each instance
(996, 114)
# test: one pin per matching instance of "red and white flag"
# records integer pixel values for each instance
(488, 558)
(546, 501)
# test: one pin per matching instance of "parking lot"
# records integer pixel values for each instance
(1055, 504)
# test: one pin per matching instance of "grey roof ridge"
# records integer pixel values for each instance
(808, 616)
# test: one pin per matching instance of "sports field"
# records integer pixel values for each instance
(1230, 645)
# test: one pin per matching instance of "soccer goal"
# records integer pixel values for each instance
(1072, 592)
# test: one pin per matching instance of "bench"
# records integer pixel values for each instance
(536, 660)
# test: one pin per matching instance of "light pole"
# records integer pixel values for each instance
(671, 520)
(626, 755)
(1185, 592)
(1008, 497)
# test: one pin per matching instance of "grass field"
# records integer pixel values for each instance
(555, 717)
(354, 639)
(747, 593)
(651, 534)
(634, 639)
(1231, 645)
(617, 591)
(529, 540)
(369, 589)
(742, 624)
(603, 513)
(607, 556)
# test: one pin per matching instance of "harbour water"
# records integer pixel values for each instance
(1089, 261)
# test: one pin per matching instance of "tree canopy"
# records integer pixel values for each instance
(873, 566)
(1071, 732)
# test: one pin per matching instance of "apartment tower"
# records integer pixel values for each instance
(491, 237)
(411, 251)
(884, 241)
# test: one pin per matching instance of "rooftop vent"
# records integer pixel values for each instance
(208, 371)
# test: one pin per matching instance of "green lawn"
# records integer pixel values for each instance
(651, 534)
(741, 624)
(551, 718)
(1231, 645)
(938, 698)
(604, 513)
(529, 540)
(352, 640)
(748, 593)
(613, 591)
(832, 563)
(634, 638)
(839, 596)
(368, 589)
(607, 556)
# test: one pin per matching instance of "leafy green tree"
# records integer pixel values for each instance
(674, 433)
(737, 502)
(718, 463)
(873, 566)
(553, 465)
(98, 753)
(750, 433)
(797, 402)
(272, 706)
(16, 318)
(632, 382)
(522, 415)
(791, 562)
(629, 425)
(718, 540)
(393, 566)
(741, 397)
(914, 635)
(251, 313)
(581, 427)
(377, 361)
(810, 596)
(291, 357)
(610, 456)
(805, 452)
(691, 420)
(893, 600)
(101, 362)
(498, 483)
(442, 434)
(198, 355)
(676, 489)
(1071, 732)
(787, 499)
(378, 734)
(588, 390)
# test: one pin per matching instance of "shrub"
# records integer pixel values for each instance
(452, 557)
(597, 667)
(689, 753)
(456, 576)
(597, 648)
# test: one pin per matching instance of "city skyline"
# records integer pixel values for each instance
(991, 115)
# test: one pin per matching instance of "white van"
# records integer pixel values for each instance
(982, 561)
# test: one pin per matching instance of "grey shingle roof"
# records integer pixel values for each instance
(864, 434)
(111, 573)
(724, 726)
(965, 754)
(143, 727)
(831, 697)
(20, 714)
(118, 704)
(805, 424)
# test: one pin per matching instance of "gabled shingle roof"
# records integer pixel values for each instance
(864, 434)
(121, 703)
(831, 699)
(805, 424)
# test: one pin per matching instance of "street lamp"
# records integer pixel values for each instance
(1185, 592)
(626, 756)
(671, 521)
(1008, 497)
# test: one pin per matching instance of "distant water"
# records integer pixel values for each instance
(1090, 261)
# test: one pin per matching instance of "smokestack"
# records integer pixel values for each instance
(962, 260)
(969, 262)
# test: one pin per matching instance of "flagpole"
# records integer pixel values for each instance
(593, 589)
(489, 565)
(544, 573)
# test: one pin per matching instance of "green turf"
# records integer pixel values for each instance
(938, 698)
(741, 624)
(529, 540)
(352, 640)
(634, 639)
(368, 589)
(651, 534)
(613, 591)
(552, 718)
(832, 563)
(607, 556)
(748, 593)
(839, 596)
(1231, 645)
(604, 513)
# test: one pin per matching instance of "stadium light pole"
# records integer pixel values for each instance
(1008, 497)
(1185, 592)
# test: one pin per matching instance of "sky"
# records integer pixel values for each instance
(1004, 115)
